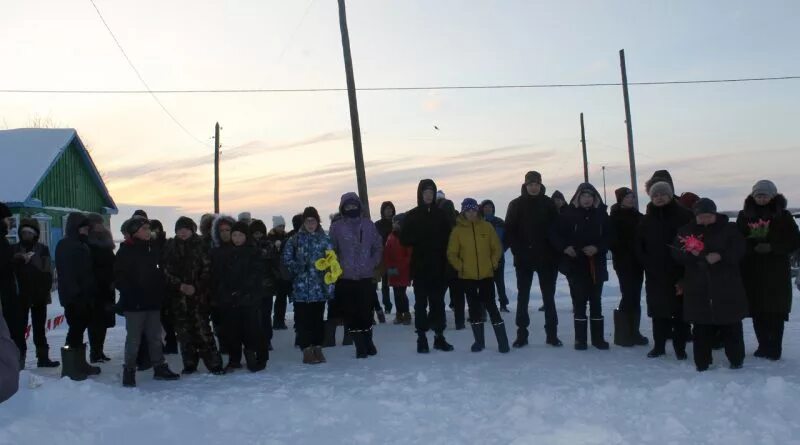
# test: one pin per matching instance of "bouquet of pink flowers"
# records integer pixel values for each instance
(692, 244)
(758, 229)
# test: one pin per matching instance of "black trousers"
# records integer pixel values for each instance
(500, 282)
(98, 327)
(480, 294)
(401, 299)
(78, 316)
(583, 291)
(704, 337)
(243, 328)
(458, 300)
(16, 316)
(630, 285)
(266, 316)
(429, 306)
(309, 323)
(168, 323)
(769, 332)
(357, 298)
(385, 293)
(548, 275)
(282, 291)
(662, 327)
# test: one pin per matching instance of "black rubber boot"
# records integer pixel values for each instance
(598, 332)
(522, 338)
(360, 340)
(129, 377)
(162, 372)
(502, 337)
(552, 336)
(254, 361)
(422, 343)
(87, 368)
(580, 334)
(480, 341)
(71, 364)
(623, 330)
(638, 338)
(347, 340)
(440, 343)
(43, 359)
(371, 349)
(329, 339)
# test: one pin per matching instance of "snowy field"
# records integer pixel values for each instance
(537, 395)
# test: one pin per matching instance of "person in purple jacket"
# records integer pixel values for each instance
(359, 247)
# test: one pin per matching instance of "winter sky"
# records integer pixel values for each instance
(284, 151)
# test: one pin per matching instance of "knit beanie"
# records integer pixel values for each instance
(765, 187)
(688, 200)
(469, 204)
(245, 216)
(659, 176)
(440, 195)
(705, 206)
(311, 212)
(278, 221)
(660, 188)
(258, 226)
(134, 224)
(185, 223)
(241, 227)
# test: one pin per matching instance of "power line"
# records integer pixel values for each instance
(402, 88)
(141, 79)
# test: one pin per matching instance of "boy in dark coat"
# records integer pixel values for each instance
(384, 226)
(583, 233)
(772, 236)
(625, 219)
(714, 298)
(35, 279)
(278, 236)
(141, 284)
(101, 244)
(654, 248)
(488, 212)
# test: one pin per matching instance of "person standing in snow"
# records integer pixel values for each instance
(359, 247)
(528, 221)
(101, 245)
(159, 240)
(385, 227)
(397, 259)
(9, 358)
(278, 236)
(714, 297)
(269, 252)
(9, 300)
(474, 251)
(625, 220)
(77, 290)
(140, 280)
(487, 210)
(458, 299)
(220, 240)
(188, 274)
(654, 247)
(427, 231)
(34, 273)
(772, 236)
(559, 200)
(583, 233)
(309, 289)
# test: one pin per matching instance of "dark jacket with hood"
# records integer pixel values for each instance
(9, 363)
(237, 276)
(625, 222)
(498, 224)
(34, 277)
(654, 245)
(139, 277)
(76, 282)
(713, 293)
(186, 262)
(8, 283)
(426, 229)
(384, 225)
(580, 227)
(528, 222)
(102, 246)
(767, 276)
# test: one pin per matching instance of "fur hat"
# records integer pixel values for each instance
(533, 176)
(704, 206)
(134, 224)
(660, 188)
(765, 187)
(311, 212)
(258, 226)
(185, 222)
(621, 193)
(278, 221)
(469, 204)
(659, 176)
(440, 195)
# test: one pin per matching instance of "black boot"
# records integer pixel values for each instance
(422, 343)
(440, 343)
(371, 349)
(143, 357)
(87, 368)
(189, 369)
(552, 336)
(347, 339)
(480, 341)
(162, 372)
(502, 337)
(129, 377)
(522, 338)
(360, 340)
(638, 338)
(255, 362)
(171, 346)
(598, 332)
(623, 330)
(329, 339)
(43, 359)
(279, 324)
(71, 364)
(580, 334)
(381, 315)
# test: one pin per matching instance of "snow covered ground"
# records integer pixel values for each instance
(537, 395)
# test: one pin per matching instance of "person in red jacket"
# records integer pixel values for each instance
(397, 259)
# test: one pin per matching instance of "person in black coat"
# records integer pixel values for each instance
(528, 222)
(34, 273)
(583, 233)
(766, 268)
(427, 230)
(487, 210)
(237, 279)
(9, 301)
(142, 287)
(77, 289)
(714, 298)
(101, 244)
(654, 249)
(625, 219)
(384, 226)
(9, 359)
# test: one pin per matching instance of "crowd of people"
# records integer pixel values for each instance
(223, 288)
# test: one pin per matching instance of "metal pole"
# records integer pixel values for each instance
(605, 197)
(216, 168)
(361, 176)
(585, 158)
(629, 125)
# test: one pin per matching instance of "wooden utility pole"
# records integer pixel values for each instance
(605, 197)
(629, 125)
(361, 176)
(585, 158)
(216, 169)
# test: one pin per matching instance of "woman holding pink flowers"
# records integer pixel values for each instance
(772, 236)
(711, 248)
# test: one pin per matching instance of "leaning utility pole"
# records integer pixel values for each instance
(585, 158)
(216, 169)
(361, 176)
(629, 125)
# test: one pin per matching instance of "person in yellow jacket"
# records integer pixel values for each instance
(474, 251)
